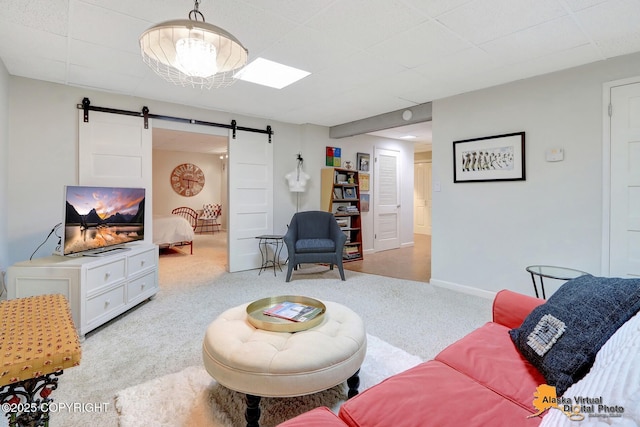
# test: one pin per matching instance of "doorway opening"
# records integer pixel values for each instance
(206, 148)
(414, 262)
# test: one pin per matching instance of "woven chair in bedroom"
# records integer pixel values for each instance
(188, 214)
(208, 220)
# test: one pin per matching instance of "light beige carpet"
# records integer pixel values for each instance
(191, 398)
(164, 336)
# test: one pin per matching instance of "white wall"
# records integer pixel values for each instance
(485, 234)
(42, 153)
(165, 199)
(42, 157)
(4, 155)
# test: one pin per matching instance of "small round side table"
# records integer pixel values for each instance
(551, 272)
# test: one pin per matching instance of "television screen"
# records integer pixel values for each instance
(97, 219)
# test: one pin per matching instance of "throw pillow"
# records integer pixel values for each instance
(562, 337)
(209, 211)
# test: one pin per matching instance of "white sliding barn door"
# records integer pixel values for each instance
(250, 198)
(115, 150)
(387, 196)
(624, 244)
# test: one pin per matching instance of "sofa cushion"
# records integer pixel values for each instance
(315, 245)
(318, 417)
(488, 356)
(562, 337)
(432, 394)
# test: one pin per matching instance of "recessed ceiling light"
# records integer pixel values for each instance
(269, 73)
(409, 137)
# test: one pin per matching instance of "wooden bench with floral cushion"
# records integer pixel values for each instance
(38, 340)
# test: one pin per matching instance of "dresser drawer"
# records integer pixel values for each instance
(105, 274)
(105, 303)
(141, 261)
(141, 285)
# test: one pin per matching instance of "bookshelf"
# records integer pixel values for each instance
(341, 196)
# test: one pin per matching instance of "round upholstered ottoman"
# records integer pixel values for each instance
(283, 364)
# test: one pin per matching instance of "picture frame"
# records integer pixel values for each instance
(333, 156)
(491, 158)
(337, 193)
(364, 181)
(363, 161)
(349, 192)
(364, 203)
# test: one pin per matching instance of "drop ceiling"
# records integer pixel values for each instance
(366, 57)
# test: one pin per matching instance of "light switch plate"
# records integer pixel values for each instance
(554, 155)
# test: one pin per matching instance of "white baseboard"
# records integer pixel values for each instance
(463, 288)
(407, 245)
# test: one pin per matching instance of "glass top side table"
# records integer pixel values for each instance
(551, 272)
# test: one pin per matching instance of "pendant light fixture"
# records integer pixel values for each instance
(191, 52)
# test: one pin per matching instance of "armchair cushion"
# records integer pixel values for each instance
(315, 245)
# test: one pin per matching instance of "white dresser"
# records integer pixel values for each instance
(98, 288)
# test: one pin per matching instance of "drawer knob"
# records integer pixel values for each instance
(143, 285)
(107, 274)
(141, 263)
(106, 303)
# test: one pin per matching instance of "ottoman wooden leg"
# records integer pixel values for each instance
(253, 411)
(353, 382)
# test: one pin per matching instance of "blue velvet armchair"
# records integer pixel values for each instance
(314, 237)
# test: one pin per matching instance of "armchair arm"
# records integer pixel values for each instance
(337, 236)
(290, 238)
(511, 308)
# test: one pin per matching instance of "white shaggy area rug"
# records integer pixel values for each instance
(192, 398)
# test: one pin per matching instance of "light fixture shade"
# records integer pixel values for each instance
(213, 51)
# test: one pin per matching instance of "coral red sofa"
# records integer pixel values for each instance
(480, 380)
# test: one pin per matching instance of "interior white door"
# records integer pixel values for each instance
(250, 204)
(386, 223)
(422, 198)
(116, 150)
(624, 244)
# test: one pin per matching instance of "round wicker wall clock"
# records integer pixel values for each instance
(187, 179)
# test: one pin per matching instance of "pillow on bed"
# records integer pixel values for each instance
(562, 336)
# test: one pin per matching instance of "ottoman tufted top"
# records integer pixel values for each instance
(281, 364)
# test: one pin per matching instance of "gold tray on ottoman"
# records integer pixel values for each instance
(256, 316)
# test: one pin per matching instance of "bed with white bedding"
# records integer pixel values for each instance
(172, 230)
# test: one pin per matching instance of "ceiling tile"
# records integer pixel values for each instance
(309, 50)
(32, 42)
(555, 61)
(576, 5)
(552, 36)
(436, 8)
(36, 68)
(419, 45)
(481, 21)
(46, 15)
(613, 25)
(345, 20)
(105, 58)
(294, 10)
(95, 78)
(365, 57)
(98, 25)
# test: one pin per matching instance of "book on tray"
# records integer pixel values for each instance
(293, 311)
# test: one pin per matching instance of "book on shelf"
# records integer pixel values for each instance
(342, 222)
(293, 311)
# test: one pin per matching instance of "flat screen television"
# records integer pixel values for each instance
(98, 220)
